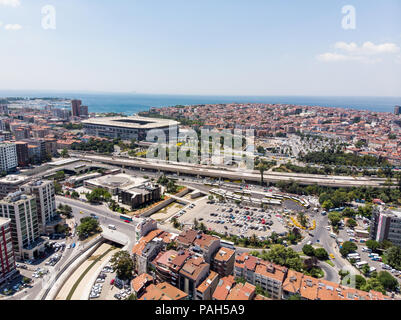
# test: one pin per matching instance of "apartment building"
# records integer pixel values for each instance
(386, 225)
(22, 153)
(8, 157)
(206, 245)
(206, 289)
(200, 243)
(163, 291)
(7, 259)
(163, 264)
(192, 274)
(268, 276)
(11, 184)
(21, 210)
(223, 262)
(144, 227)
(146, 250)
(44, 192)
(223, 288)
(140, 283)
(309, 288)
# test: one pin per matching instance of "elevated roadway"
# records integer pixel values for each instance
(227, 173)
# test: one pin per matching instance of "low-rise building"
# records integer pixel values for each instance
(163, 291)
(206, 289)
(192, 274)
(223, 262)
(268, 276)
(140, 283)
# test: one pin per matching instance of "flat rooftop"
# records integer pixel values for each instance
(131, 122)
(118, 181)
(13, 179)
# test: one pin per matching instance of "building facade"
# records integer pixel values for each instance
(21, 210)
(45, 201)
(7, 259)
(127, 128)
(386, 225)
(8, 157)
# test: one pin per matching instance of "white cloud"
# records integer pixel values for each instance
(336, 57)
(368, 48)
(13, 27)
(364, 53)
(10, 3)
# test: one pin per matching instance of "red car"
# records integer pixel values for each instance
(112, 281)
(126, 221)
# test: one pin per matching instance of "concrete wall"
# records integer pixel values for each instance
(165, 203)
(58, 282)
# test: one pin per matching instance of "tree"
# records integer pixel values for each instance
(98, 195)
(393, 257)
(65, 210)
(121, 261)
(334, 218)
(351, 223)
(387, 280)
(295, 297)
(132, 296)
(88, 227)
(302, 219)
(284, 256)
(64, 153)
(262, 167)
(58, 189)
(348, 247)
(60, 175)
(359, 281)
(75, 195)
(373, 284)
(328, 204)
(321, 254)
(308, 250)
(373, 245)
(366, 270)
(172, 245)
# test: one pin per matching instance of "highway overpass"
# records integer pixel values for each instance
(225, 173)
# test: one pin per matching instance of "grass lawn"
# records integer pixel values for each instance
(74, 287)
(330, 263)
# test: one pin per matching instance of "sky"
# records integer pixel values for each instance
(207, 47)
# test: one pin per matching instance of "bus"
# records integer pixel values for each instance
(359, 265)
(126, 218)
(227, 244)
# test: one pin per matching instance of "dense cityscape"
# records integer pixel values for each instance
(85, 214)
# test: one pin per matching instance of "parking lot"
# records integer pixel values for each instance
(108, 287)
(242, 221)
(365, 255)
(32, 271)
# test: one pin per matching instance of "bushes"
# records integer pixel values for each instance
(308, 250)
(319, 253)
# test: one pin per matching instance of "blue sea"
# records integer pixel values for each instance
(133, 103)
